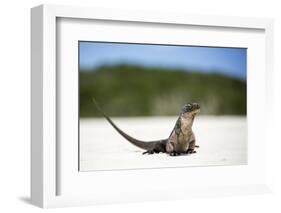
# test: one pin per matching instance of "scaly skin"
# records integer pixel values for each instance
(181, 140)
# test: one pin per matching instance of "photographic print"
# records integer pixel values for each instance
(157, 106)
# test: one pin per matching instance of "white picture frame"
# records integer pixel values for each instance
(46, 170)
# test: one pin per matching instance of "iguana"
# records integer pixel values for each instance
(180, 141)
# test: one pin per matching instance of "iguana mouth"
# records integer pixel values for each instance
(196, 111)
(191, 107)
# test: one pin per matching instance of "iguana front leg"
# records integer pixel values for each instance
(191, 148)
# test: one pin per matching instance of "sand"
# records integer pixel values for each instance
(222, 141)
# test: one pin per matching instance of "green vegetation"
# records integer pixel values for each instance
(127, 90)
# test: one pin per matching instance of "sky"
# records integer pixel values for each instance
(227, 61)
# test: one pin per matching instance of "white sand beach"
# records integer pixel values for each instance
(222, 141)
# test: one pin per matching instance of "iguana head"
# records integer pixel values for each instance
(191, 108)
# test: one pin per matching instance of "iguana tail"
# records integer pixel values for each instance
(149, 146)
